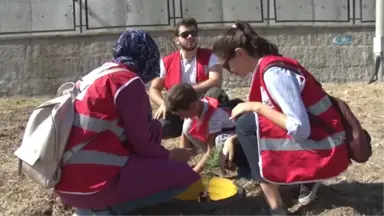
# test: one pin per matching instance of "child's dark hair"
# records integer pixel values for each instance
(180, 97)
(242, 35)
(189, 21)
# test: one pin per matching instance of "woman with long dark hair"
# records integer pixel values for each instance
(277, 127)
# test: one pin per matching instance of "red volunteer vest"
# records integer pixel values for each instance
(284, 160)
(200, 129)
(173, 67)
(98, 128)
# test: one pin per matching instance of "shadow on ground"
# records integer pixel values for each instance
(361, 199)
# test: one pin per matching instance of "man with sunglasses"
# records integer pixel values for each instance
(190, 64)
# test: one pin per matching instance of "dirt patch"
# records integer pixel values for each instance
(359, 191)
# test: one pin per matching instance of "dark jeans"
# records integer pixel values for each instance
(247, 156)
(172, 125)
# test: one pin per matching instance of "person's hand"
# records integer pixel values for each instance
(242, 108)
(161, 112)
(226, 155)
(180, 154)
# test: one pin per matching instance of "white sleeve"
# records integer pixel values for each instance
(162, 69)
(284, 88)
(217, 120)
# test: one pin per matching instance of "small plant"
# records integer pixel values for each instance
(212, 164)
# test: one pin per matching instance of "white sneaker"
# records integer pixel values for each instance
(308, 192)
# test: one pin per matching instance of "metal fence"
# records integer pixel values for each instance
(83, 16)
(27, 16)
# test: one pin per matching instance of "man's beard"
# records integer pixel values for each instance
(188, 48)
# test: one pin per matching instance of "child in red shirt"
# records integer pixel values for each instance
(205, 119)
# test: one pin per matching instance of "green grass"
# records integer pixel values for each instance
(212, 164)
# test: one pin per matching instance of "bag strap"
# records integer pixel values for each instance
(282, 65)
(310, 115)
(70, 153)
(88, 80)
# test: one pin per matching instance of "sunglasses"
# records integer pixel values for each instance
(185, 34)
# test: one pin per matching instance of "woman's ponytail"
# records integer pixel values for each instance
(245, 27)
(243, 35)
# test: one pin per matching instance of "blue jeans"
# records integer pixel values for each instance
(247, 153)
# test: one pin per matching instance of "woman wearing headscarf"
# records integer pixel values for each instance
(278, 128)
(116, 162)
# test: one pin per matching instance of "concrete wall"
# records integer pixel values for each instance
(44, 43)
(36, 66)
(31, 17)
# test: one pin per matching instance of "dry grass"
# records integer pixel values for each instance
(358, 191)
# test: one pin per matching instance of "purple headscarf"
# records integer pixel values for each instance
(138, 51)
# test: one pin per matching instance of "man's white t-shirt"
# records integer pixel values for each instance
(188, 69)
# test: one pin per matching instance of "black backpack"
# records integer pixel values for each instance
(230, 104)
(223, 98)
